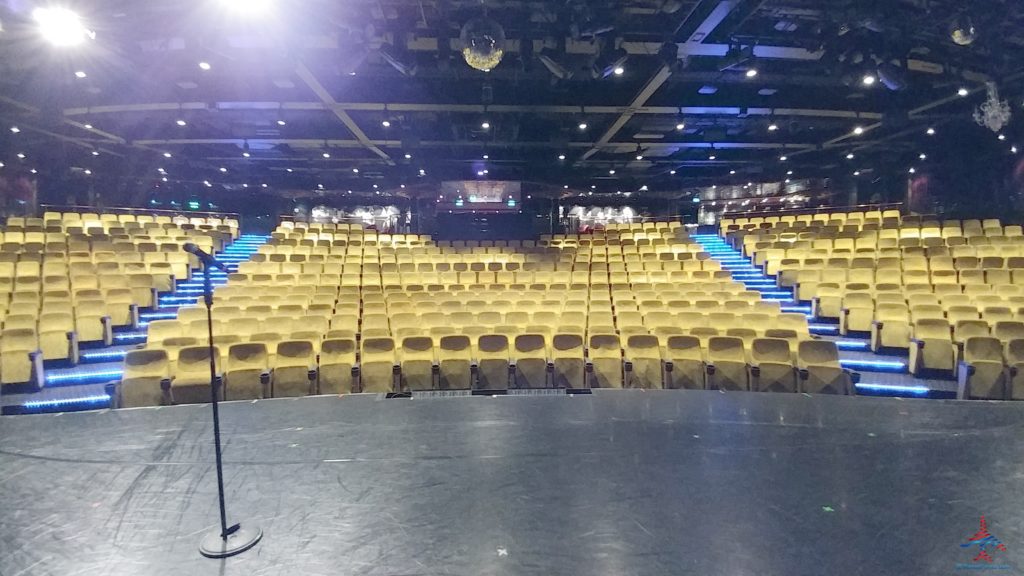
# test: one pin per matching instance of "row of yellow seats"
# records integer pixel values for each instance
(890, 323)
(489, 362)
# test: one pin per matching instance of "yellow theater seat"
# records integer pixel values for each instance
(146, 380)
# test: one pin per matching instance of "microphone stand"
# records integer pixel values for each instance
(228, 540)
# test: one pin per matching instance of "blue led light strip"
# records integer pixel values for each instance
(101, 399)
(97, 376)
(874, 365)
(918, 390)
(852, 345)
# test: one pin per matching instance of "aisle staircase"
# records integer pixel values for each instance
(855, 351)
(89, 385)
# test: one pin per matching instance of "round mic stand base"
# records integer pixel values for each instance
(216, 546)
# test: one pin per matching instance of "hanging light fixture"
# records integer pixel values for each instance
(993, 113)
(483, 43)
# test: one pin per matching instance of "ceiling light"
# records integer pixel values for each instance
(167, 154)
(161, 170)
(15, 129)
(773, 127)
(561, 156)
(732, 172)
(858, 130)
(408, 156)
(401, 186)
(922, 156)
(87, 172)
(712, 157)
(912, 170)
(223, 169)
(326, 155)
(386, 124)
(639, 156)
(181, 123)
(479, 172)
(856, 173)
(930, 131)
(80, 74)
(204, 66)
(619, 71)
(566, 187)
(486, 157)
(60, 26)
(583, 126)
(783, 158)
(680, 126)
(34, 171)
(207, 183)
(672, 172)
(962, 92)
(789, 173)
(1002, 137)
(485, 125)
(423, 172)
(1013, 149)
(95, 152)
(787, 180)
(320, 186)
(868, 80)
(88, 126)
(355, 170)
(245, 154)
(611, 172)
(592, 187)
(264, 185)
(164, 179)
(850, 156)
(752, 72)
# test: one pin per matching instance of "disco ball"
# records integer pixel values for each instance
(962, 31)
(483, 43)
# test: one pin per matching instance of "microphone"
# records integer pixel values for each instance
(205, 258)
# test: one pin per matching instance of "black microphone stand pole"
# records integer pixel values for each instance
(227, 540)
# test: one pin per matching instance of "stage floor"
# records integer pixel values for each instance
(614, 483)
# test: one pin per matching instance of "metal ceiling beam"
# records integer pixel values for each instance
(304, 73)
(472, 109)
(29, 109)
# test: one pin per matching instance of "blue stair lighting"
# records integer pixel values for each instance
(83, 387)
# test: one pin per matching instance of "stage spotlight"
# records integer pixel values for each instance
(61, 27)
(248, 7)
(547, 58)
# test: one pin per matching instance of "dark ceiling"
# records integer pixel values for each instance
(314, 78)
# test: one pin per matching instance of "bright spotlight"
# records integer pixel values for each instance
(850, 156)
(619, 71)
(773, 127)
(962, 92)
(930, 131)
(583, 126)
(248, 7)
(485, 125)
(869, 80)
(81, 74)
(680, 126)
(181, 123)
(386, 124)
(751, 72)
(783, 158)
(204, 66)
(858, 130)
(61, 27)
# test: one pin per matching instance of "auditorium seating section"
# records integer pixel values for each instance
(69, 280)
(330, 309)
(950, 294)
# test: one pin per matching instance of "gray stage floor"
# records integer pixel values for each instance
(617, 483)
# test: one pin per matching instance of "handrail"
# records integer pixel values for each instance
(136, 211)
(819, 210)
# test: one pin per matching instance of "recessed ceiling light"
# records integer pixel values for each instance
(356, 170)
(962, 92)
(21, 155)
(88, 126)
(912, 171)
(164, 179)
(787, 180)
(680, 126)
(732, 171)
(850, 156)
(386, 124)
(611, 172)
(592, 187)
(167, 154)
(868, 80)
(789, 173)
(856, 173)
(326, 155)
(223, 169)
(87, 172)
(639, 156)
(289, 170)
(181, 123)
(95, 152)
(619, 71)
(204, 66)
(922, 156)
(34, 171)
(583, 126)
(561, 156)
(751, 73)
(161, 170)
(712, 157)
(486, 157)
(408, 156)
(672, 172)
(80, 74)
(207, 183)
(264, 185)
(930, 131)
(485, 125)
(401, 186)
(1002, 137)
(565, 187)
(783, 158)
(15, 129)
(422, 172)
(858, 130)
(245, 154)
(1013, 149)
(773, 127)
(281, 123)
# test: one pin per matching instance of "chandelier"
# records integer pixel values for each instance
(993, 112)
(483, 43)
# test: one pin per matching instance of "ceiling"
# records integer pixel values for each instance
(289, 87)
